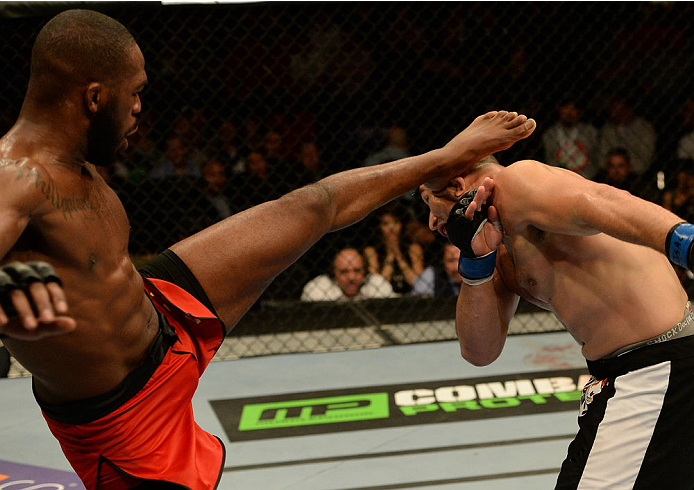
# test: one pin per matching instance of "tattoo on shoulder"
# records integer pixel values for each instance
(46, 186)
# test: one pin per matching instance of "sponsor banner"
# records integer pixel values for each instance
(373, 407)
(16, 476)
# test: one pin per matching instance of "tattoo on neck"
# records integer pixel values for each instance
(46, 186)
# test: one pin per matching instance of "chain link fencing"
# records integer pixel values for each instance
(248, 101)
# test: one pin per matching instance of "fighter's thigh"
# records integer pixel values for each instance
(227, 268)
(594, 399)
(667, 463)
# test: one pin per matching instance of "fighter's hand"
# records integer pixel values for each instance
(470, 227)
(489, 237)
(32, 302)
(474, 227)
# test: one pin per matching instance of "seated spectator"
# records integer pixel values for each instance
(175, 161)
(397, 147)
(626, 130)
(618, 173)
(685, 145)
(142, 152)
(215, 175)
(280, 170)
(398, 261)
(680, 198)
(255, 183)
(443, 280)
(570, 143)
(347, 281)
(308, 167)
(189, 126)
(227, 144)
(250, 138)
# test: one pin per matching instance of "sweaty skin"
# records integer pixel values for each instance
(55, 207)
(588, 252)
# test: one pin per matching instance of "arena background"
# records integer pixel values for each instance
(273, 76)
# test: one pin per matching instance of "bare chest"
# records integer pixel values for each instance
(535, 263)
(81, 222)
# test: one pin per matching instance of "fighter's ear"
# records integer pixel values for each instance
(458, 186)
(94, 97)
(452, 189)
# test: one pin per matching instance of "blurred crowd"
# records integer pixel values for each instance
(248, 102)
(207, 169)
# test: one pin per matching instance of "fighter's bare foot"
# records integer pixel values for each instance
(487, 134)
(494, 131)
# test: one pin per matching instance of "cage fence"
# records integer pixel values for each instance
(246, 102)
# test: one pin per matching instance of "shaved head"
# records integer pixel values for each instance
(348, 271)
(77, 47)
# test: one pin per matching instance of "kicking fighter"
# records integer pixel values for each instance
(116, 354)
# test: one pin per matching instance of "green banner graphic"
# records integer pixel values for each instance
(373, 407)
(313, 411)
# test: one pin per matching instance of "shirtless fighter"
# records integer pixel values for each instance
(116, 354)
(597, 257)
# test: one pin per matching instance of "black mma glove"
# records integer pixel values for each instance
(461, 231)
(18, 275)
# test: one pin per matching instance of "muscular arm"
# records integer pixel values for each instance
(559, 201)
(17, 201)
(20, 201)
(529, 194)
(235, 260)
(483, 314)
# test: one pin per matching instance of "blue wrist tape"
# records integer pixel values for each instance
(679, 241)
(478, 270)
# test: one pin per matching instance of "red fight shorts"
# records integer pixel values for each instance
(152, 435)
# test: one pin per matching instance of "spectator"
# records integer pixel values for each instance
(215, 176)
(388, 259)
(142, 152)
(618, 173)
(309, 167)
(397, 147)
(4, 361)
(175, 161)
(281, 174)
(625, 130)
(251, 140)
(679, 199)
(189, 126)
(570, 143)
(441, 281)
(299, 128)
(273, 148)
(228, 146)
(685, 146)
(255, 182)
(418, 232)
(347, 281)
